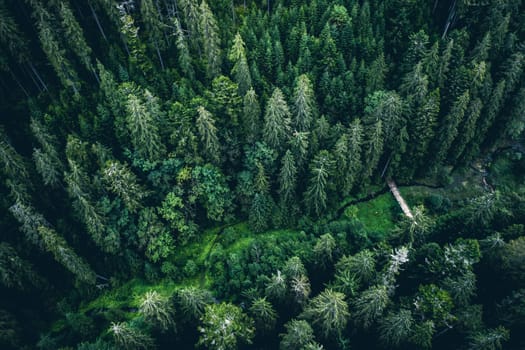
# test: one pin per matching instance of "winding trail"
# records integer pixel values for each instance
(400, 200)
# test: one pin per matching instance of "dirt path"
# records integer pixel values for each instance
(395, 191)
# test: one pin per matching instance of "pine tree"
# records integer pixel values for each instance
(157, 310)
(422, 128)
(370, 305)
(120, 180)
(361, 265)
(467, 130)
(276, 121)
(51, 47)
(14, 169)
(129, 337)
(329, 311)
(298, 335)
(143, 129)
(192, 302)
(305, 109)
(287, 177)
(208, 132)
(190, 10)
(260, 212)
(251, 116)
(64, 254)
(47, 160)
(211, 41)
(490, 339)
(225, 326)
(74, 35)
(264, 314)
(184, 57)
(396, 328)
(374, 147)
(240, 70)
(154, 27)
(316, 195)
(449, 129)
(135, 47)
(30, 220)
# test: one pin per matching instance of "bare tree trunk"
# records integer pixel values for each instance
(38, 76)
(97, 21)
(450, 18)
(31, 75)
(160, 57)
(95, 74)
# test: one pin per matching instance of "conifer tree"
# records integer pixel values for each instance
(190, 10)
(47, 160)
(287, 177)
(225, 326)
(396, 328)
(304, 104)
(329, 311)
(184, 57)
(298, 335)
(374, 147)
(449, 128)
(16, 272)
(240, 70)
(51, 47)
(157, 310)
(30, 220)
(64, 254)
(74, 35)
(154, 27)
(143, 129)
(208, 132)
(370, 305)
(192, 302)
(129, 337)
(316, 195)
(251, 116)
(120, 180)
(264, 314)
(210, 38)
(276, 121)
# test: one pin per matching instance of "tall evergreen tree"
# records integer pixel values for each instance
(143, 129)
(251, 116)
(287, 177)
(208, 132)
(276, 121)
(240, 70)
(211, 40)
(316, 195)
(304, 104)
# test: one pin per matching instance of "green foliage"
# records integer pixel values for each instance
(329, 311)
(298, 335)
(276, 121)
(264, 314)
(131, 130)
(370, 305)
(128, 337)
(157, 310)
(192, 301)
(225, 326)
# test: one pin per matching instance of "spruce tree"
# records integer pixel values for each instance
(276, 121)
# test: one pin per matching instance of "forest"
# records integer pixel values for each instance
(215, 174)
